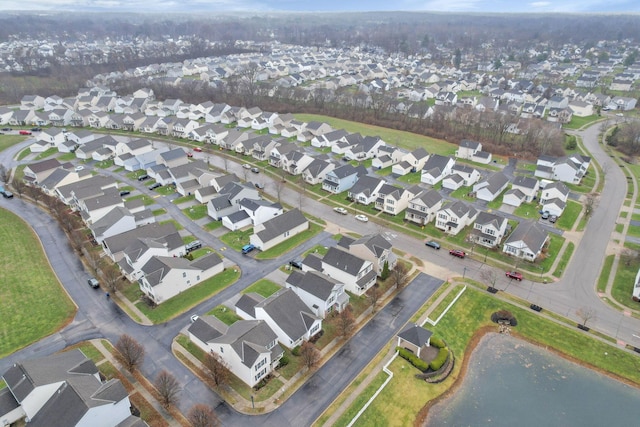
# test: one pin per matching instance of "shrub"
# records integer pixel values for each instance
(440, 359)
(296, 351)
(571, 143)
(437, 342)
(413, 359)
(284, 361)
(385, 271)
(504, 316)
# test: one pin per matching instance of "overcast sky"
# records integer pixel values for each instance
(326, 5)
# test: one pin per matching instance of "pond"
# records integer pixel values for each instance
(510, 382)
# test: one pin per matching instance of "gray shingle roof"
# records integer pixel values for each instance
(344, 261)
(280, 224)
(317, 284)
(415, 334)
(289, 312)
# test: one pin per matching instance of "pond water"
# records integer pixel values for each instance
(513, 383)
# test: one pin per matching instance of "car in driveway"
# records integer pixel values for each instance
(125, 193)
(189, 154)
(341, 211)
(296, 264)
(143, 177)
(155, 185)
(93, 282)
(432, 244)
(362, 218)
(79, 168)
(259, 186)
(457, 253)
(545, 215)
(553, 218)
(36, 129)
(247, 248)
(194, 317)
(514, 275)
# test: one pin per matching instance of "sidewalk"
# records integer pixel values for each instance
(123, 300)
(136, 385)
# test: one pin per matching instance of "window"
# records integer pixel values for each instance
(314, 329)
(442, 216)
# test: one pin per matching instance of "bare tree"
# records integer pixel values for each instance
(5, 173)
(91, 256)
(279, 185)
(19, 186)
(400, 275)
(374, 296)
(585, 314)
(627, 256)
(76, 239)
(310, 355)
(589, 204)
(130, 352)
(168, 389)
(202, 416)
(346, 322)
(35, 193)
(110, 277)
(217, 369)
(489, 276)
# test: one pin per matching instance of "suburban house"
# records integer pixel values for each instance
(317, 171)
(461, 176)
(252, 212)
(569, 169)
(393, 200)
(228, 199)
(295, 161)
(278, 229)
(249, 348)
(342, 178)
(411, 162)
(489, 229)
(63, 389)
(387, 156)
(526, 241)
(328, 139)
(414, 338)
(636, 288)
(472, 150)
(422, 208)
(93, 208)
(117, 220)
(357, 274)
(165, 277)
(71, 194)
(553, 198)
(490, 188)
(523, 190)
(372, 247)
(455, 216)
(38, 171)
(165, 235)
(436, 169)
(365, 190)
(285, 313)
(320, 293)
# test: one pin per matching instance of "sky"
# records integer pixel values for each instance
(159, 6)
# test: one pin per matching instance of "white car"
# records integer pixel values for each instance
(362, 218)
(341, 211)
(79, 168)
(194, 318)
(246, 166)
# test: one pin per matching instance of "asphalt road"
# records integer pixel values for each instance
(99, 317)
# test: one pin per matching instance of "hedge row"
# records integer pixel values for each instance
(413, 359)
(440, 359)
(437, 342)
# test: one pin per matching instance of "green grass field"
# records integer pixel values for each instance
(263, 287)
(32, 301)
(7, 141)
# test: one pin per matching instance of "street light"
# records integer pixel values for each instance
(464, 271)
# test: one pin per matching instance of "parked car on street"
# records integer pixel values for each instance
(197, 149)
(36, 129)
(125, 193)
(155, 185)
(362, 218)
(93, 282)
(143, 177)
(247, 248)
(246, 166)
(432, 244)
(255, 170)
(7, 194)
(296, 264)
(25, 132)
(341, 211)
(457, 253)
(514, 275)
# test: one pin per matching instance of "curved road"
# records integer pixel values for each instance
(98, 317)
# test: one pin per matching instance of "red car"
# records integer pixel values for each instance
(189, 154)
(198, 149)
(514, 275)
(458, 253)
(25, 132)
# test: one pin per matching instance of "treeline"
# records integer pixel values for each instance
(626, 138)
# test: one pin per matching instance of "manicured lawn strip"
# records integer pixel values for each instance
(318, 249)
(445, 302)
(404, 396)
(362, 399)
(566, 256)
(189, 298)
(7, 141)
(577, 122)
(119, 169)
(184, 199)
(623, 285)
(166, 190)
(131, 292)
(569, 216)
(633, 230)
(201, 252)
(24, 153)
(237, 239)
(263, 287)
(32, 301)
(46, 153)
(66, 157)
(225, 314)
(102, 165)
(634, 217)
(88, 350)
(411, 178)
(605, 273)
(624, 214)
(185, 342)
(195, 212)
(555, 243)
(213, 225)
(403, 139)
(146, 200)
(619, 228)
(160, 211)
(290, 243)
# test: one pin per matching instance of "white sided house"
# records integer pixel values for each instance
(320, 293)
(357, 274)
(454, 217)
(526, 241)
(278, 229)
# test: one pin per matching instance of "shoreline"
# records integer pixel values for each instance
(477, 337)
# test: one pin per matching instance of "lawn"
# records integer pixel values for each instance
(66, 157)
(578, 122)
(263, 287)
(566, 256)
(633, 230)
(88, 350)
(290, 243)
(189, 298)
(569, 215)
(402, 139)
(623, 285)
(32, 301)
(47, 153)
(166, 190)
(213, 225)
(184, 199)
(175, 223)
(411, 178)
(195, 212)
(226, 315)
(399, 403)
(160, 211)
(7, 141)
(527, 210)
(146, 200)
(603, 279)
(237, 239)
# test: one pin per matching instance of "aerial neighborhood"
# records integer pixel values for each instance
(237, 256)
